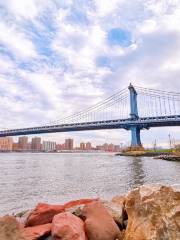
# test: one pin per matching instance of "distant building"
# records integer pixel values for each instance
(117, 148)
(48, 146)
(99, 148)
(111, 147)
(6, 144)
(15, 146)
(88, 146)
(105, 147)
(36, 144)
(69, 144)
(82, 146)
(60, 147)
(23, 144)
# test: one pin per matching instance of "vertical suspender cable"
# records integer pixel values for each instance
(169, 105)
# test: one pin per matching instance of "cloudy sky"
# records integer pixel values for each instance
(59, 56)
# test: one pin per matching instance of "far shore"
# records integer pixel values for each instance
(164, 155)
(73, 151)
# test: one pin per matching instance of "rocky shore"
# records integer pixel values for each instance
(169, 157)
(156, 155)
(146, 213)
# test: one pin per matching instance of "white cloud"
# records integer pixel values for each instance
(16, 41)
(105, 7)
(26, 10)
(6, 64)
(148, 26)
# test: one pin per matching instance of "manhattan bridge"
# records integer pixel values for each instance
(133, 108)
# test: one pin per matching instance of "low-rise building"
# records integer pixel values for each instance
(23, 143)
(36, 144)
(48, 146)
(6, 144)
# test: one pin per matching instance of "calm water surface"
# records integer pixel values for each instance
(27, 178)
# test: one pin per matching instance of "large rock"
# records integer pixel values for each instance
(119, 200)
(78, 202)
(66, 226)
(153, 214)
(10, 229)
(22, 217)
(43, 213)
(99, 224)
(76, 207)
(115, 210)
(33, 233)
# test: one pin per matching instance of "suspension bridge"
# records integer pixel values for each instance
(134, 109)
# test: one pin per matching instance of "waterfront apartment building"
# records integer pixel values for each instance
(105, 147)
(82, 146)
(69, 144)
(88, 146)
(36, 144)
(15, 146)
(23, 143)
(48, 146)
(99, 148)
(60, 147)
(110, 148)
(6, 144)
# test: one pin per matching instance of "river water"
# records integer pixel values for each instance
(28, 178)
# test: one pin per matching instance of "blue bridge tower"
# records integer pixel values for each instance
(135, 130)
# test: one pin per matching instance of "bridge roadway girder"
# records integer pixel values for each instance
(127, 124)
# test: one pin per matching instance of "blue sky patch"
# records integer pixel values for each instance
(103, 61)
(77, 17)
(117, 36)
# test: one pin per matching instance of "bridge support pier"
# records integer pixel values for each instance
(135, 130)
(135, 137)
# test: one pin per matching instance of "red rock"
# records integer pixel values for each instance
(99, 225)
(10, 229)
(66, 226)
(43, 213)
(78, 202)
(33, 233)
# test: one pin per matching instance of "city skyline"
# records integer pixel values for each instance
(37, 144)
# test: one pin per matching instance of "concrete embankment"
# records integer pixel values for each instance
(142, 214)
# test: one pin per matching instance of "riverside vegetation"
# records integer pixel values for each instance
(145, 213)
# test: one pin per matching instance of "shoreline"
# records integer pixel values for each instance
(138, 154)
(156, 155)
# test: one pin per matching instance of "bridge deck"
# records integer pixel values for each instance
(142, 123)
